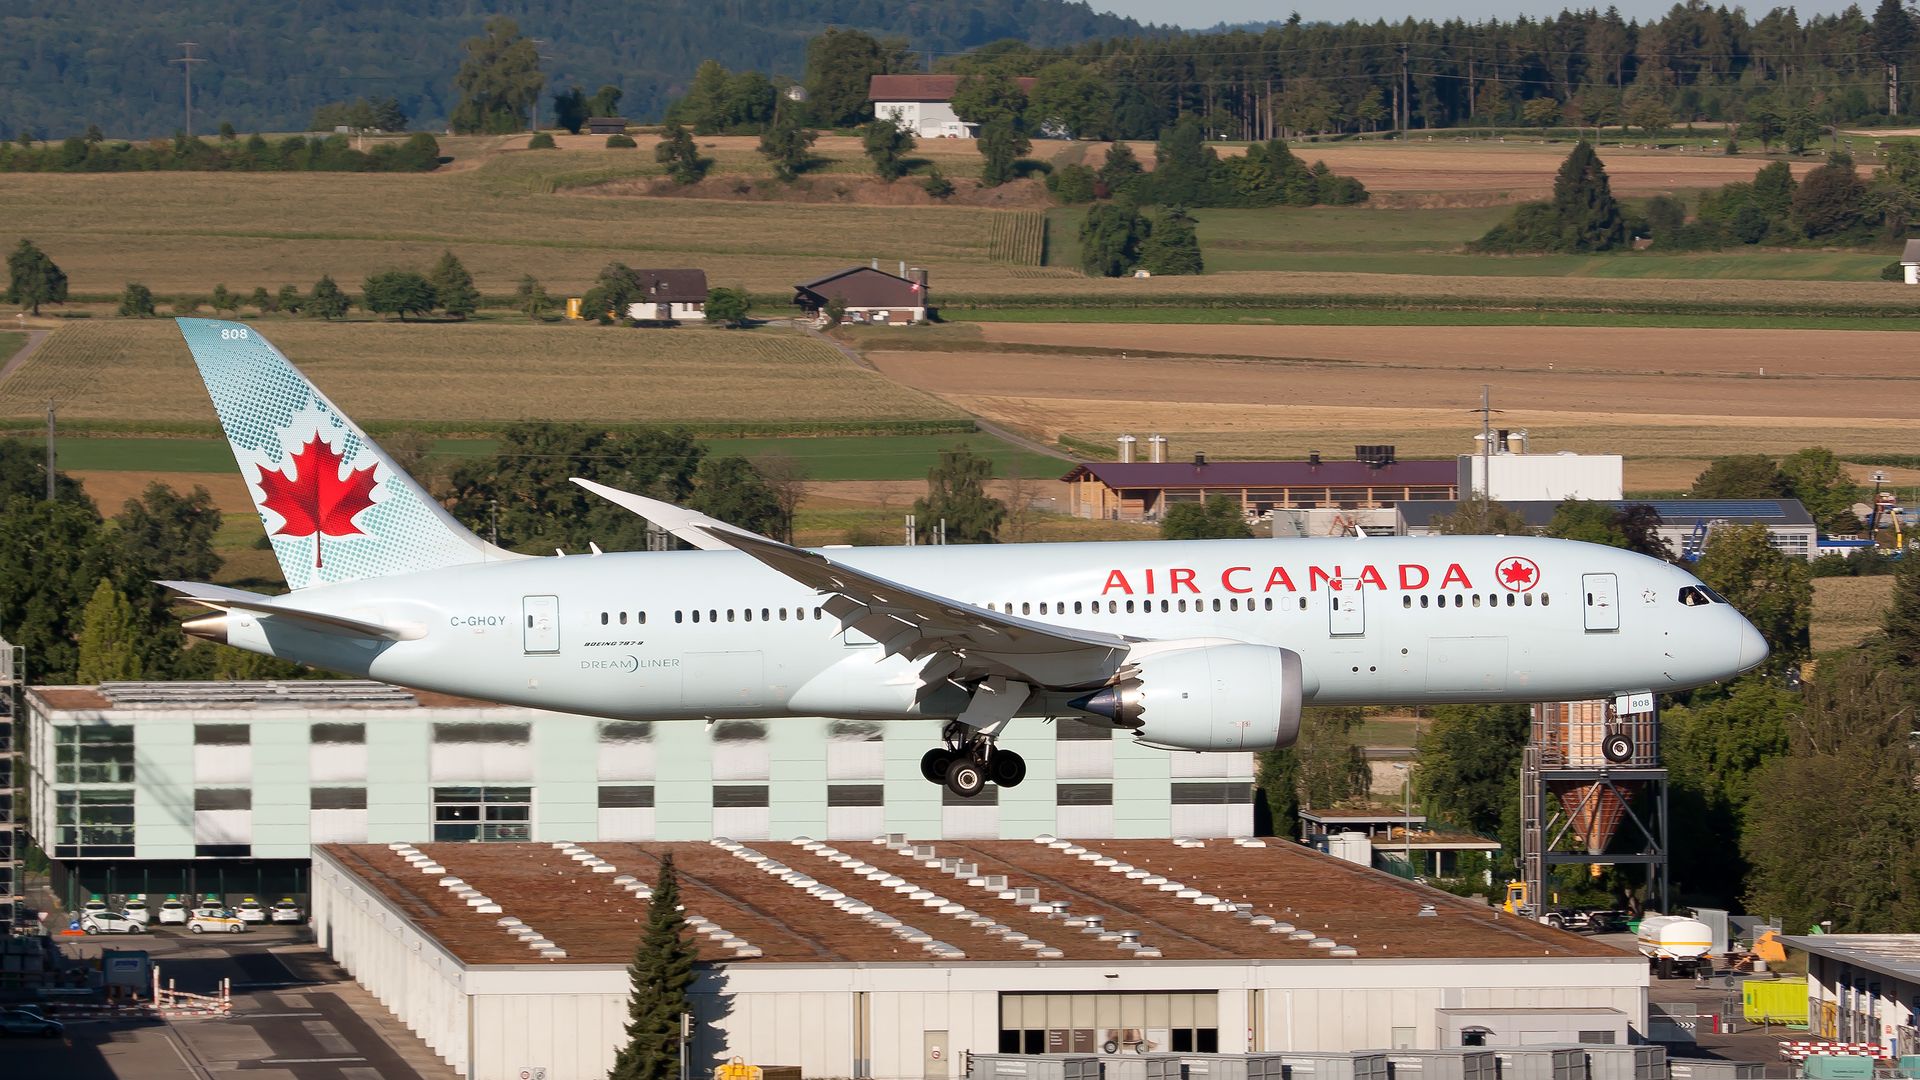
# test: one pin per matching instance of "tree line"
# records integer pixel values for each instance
(94, 153)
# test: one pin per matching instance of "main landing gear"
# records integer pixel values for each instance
(969, 761)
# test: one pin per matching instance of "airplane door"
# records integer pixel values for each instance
(1602, 599)
(1348, 611)
(541, 625)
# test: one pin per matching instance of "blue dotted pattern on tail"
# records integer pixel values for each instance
(269, 410)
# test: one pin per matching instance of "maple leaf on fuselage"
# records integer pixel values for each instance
(314, 500)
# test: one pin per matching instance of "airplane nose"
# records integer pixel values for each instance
(1753, 647)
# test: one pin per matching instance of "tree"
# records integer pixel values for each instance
(1172, 247)
(1774, 591)
(678, 153)
(1741, 476)
(840, 66)
(787, 146)
(1002, 143)
(1121, 169)
(1820, 482)
(1469, 764)
(524, 490)
(261, 300)
(453, 287)
(614, 293)
(542, 141)
(788, 480)
(223, 301)
(1587, 521)
(605, 101)
(326, 301)
(1110, 239)
(1478, 517)
(136, 301)
(727, 307)
(957, 495)
(1828, 200)
(937, 184)
(288, 300)
(498, 81)
(731, 489)
(33, 278)
(1833, 838)
(1184, 165)
(1218, 518)
(1899, 645)
(1646, 109)
(887, 145)
(997, 106)
(570, 109)
(660, 974)
(1714, 748)
(1590, 219)
(1892, 38)
(1072, 99)
(1332, 767)
(1640, 523)
(108, 638)
(52, 556)
(398, 292)
(531, 299)
(1541, 112)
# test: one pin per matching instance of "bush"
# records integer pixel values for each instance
(1072, 184)
(541, 141)
(1893, 271)
(937, 184)
(621, 142)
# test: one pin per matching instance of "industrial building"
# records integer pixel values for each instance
(224, 787)
(1864, 988)
(884, 958)
(1129, 490)
(1684, 523)
(1500, 468)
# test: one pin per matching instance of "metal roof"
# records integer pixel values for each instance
(1911, 253)
(1267, 474)
(227, 696)
(1893, 955)
(863, 287)
(1683, 513)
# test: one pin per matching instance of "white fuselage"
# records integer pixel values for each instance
(706, 634)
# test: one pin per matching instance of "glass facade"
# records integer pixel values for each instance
(93, 823)
(93, 754)
(488, 814)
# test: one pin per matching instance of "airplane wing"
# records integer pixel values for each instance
(222, 598)
(906, 621)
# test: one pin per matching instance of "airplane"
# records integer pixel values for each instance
(1210, 645)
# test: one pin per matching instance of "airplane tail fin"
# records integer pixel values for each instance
(335, 506)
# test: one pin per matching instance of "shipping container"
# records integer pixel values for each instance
(1542, 1063)
(1706, 1069)
(1779, 1001)
(1460, 1063)
(1035, 1067)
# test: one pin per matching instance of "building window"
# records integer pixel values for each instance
(344, 734)
(733, 796)
(222, 822)
(337, 798)
(989, 796)
(856, 795)
(1211, 794)
(626, 750)
(222, 735)
(1068, 729)
(1081, 1023)
(626, 797)
(92, 824)
(739, 731)
(1083, 795)
(485, 814)
(482, 753)
(480, 733)
(223, 799)
(93, 754)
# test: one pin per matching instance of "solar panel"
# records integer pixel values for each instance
(1692, 509)
(291, 693)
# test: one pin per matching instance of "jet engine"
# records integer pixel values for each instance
(1212, 697)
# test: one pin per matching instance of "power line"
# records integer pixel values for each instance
(186, 62)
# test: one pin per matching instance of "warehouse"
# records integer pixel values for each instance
(1685, 524)
(223, 787)
(1864, 988)
(888, 959)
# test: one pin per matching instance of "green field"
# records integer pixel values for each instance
(1364, 240)
(10, 342)
(878, 457)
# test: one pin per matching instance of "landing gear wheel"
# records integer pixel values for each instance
(965, 777)
(1008, 769)
(933, 765)
(1617, 748)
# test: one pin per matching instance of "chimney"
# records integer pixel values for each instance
(1126, 449)
(1313, 458)
(1157, 448)
(918, 275)
(903, 268)
(1199, 461)
(876, 262)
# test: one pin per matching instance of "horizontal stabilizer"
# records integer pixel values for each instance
(222, 598)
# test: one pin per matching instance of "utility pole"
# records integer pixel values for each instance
(51, 459)
(186, 62)
(1406, 95)
(538, 55)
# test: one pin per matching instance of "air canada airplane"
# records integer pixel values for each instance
(1184, 645)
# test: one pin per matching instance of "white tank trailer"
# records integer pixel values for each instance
(1675, 945)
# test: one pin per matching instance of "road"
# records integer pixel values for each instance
(296, 1016)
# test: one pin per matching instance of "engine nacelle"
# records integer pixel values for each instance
(1214, 697)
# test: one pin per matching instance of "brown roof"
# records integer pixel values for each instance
(583, 912)
(1239, 474)
(673, 286)
(861, 287)
(234, 695)
(923, 87)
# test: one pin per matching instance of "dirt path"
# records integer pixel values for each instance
(35, 339)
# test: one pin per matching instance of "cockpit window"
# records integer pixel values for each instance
(1697, 596)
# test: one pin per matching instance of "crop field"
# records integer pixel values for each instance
(1668, 399)
(1846, 610)
(10, 342)
(136, 377)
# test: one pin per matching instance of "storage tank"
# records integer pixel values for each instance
(1675, 943)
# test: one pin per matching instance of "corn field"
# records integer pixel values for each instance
(1017, 238)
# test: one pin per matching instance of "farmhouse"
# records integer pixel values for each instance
(1910, 262)
(670, 295)
(1129, 490)
(869, 295)
(606, 125)
(923, 104)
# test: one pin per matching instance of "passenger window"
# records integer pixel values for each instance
(763, 615)
(1459, 600)
(1476, 599)
(1406, 600)
(1509, 599)
(603, 618)
(783, 614)
(1216, 603)
(1181, 605)
(1076, 607)
(1233, 604)
(746, 614)
(713, 615)
(623, 619)
(1043, 607)
(1026, 608)
(1303, 603)
(729, 614)
(643, 618)
(1425, 600)
(819, 613)
(1165, 607)
(1527, 599)
(1269, 603)
(1544, 599)
(1129, 607)
(696, 614)
(1113, 606)
(677, 616)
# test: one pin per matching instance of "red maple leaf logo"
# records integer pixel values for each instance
(1517, 574)
(312, 499)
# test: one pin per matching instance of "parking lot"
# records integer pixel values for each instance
(295, 1015)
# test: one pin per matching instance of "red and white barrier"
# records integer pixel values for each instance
(1802, 1049)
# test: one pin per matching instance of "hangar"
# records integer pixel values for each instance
(888, 959)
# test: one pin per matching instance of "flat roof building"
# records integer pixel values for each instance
(886, 958)
(224, 787)
(1684, 523)
(1864, 988)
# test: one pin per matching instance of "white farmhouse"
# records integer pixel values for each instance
(1910, 262)
(670, 296)
(923, 104)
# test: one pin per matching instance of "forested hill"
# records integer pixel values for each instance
(270, 63)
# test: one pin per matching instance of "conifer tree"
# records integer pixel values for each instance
(787, 145)
(1589, 217)
(453, 287)
(661, 971)
(957, 495)
(108, 638)
(678, 153)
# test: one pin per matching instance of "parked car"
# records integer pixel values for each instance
(110, 922)
(286, 911)
(136, 909)
(215, 921)
(249, 910)
(173, 910)
(27, 1022)
(94, 903)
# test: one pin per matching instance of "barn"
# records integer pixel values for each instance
(869, 295)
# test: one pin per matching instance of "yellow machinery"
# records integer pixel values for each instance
(1767, 947)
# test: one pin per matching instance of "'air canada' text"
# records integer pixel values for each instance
(1248, 579)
